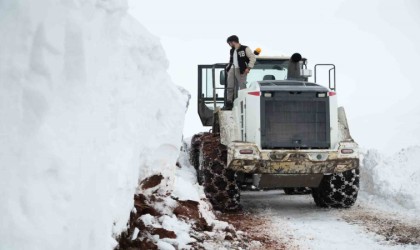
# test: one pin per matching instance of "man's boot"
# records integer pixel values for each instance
(228, 106)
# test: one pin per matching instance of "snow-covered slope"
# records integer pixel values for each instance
(394, 180)
(86, 108)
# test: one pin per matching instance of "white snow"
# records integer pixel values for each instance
(181, 230)
(162, 245)
(148, 220)
(135, 233)
(87, 108)
(392, 181)
(187, 188)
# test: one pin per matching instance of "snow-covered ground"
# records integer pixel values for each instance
(392, 181)
(384, 217)
(309, 227)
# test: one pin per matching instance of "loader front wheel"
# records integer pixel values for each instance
(219, 183)
(195, 149)
(337, 190)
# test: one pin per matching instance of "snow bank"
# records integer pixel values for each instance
(86, 108)
(393, 180)
(178, 218)
(187, 188)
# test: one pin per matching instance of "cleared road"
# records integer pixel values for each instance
(298, 224)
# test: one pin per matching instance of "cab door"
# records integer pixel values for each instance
(211, 91)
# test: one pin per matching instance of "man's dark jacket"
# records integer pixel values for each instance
(243, 60)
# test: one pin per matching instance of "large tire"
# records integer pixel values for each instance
(337, 190)
(297, 191)
(195, 149)
(219, 183)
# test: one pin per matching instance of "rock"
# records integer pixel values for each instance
(231, 231)
(142, 206)
(202, 225)
(187, 209)
(163, 233)
(228, 237)
(151, 182)
(145, 244)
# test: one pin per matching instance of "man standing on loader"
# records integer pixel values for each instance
(242, 60)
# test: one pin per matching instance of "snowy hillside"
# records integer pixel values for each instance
(86, 109)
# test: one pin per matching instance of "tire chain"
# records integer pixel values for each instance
(194, 151)
(219, 183)
(338, 190)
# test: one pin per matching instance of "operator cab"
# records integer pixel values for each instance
(269, 68)
(212, 80)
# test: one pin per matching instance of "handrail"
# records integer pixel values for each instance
(214, 85)
(331, 87)
(218, 65)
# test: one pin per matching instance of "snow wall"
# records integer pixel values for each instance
(393, 179)
(86, 109)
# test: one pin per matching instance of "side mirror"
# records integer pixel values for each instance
(223, 77)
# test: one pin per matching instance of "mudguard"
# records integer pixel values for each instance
(229, 131)
(343, 127)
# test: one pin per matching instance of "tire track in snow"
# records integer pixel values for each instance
(312, 227)
(390, 226)
(258, 228)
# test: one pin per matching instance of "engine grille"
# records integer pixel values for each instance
(292, 121)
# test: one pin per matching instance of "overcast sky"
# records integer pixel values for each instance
(375, 45)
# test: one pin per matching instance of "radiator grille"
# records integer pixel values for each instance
(295, 123)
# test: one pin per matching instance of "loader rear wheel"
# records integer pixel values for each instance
(219, 183)
(195, 149)
(297, 191)
(337, 190)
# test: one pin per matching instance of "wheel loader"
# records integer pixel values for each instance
(283, 131)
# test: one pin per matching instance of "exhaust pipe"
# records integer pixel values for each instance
(295, 65)
(297, 69)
